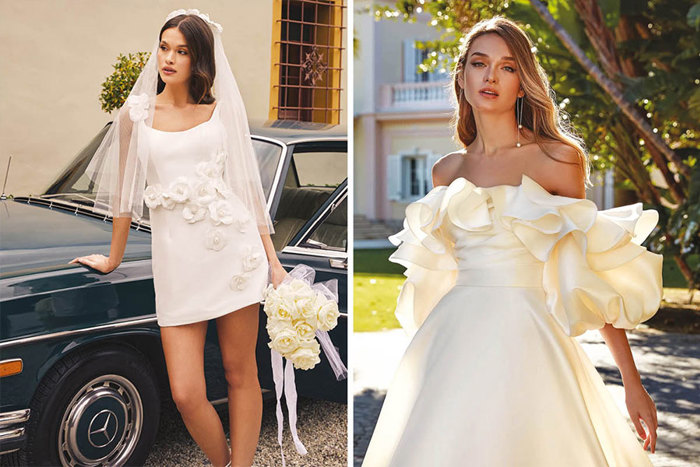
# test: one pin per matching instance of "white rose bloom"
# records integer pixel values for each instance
(179, 190)
(215, 240)
(239, 281)
(328, 315)
(274, 326)
(304, 330)
(285, 341)
(251, 259)
(208, 169)
(138, 107)
(306, 356)
(242, 222)
(220, 212)
(204, 192)
(193, 212)
(153, 196)
(220, 159)
(168, 202)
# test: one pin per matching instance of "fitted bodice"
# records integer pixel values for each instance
(493, 245)
(176, 153)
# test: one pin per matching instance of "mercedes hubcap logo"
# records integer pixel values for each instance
(103, 428)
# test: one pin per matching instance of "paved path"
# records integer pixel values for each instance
(669, 365)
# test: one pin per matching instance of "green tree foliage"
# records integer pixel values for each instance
(117, 86)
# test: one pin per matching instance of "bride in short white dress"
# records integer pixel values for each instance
(208, 258)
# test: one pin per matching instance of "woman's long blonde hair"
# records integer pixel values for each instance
(541, 115)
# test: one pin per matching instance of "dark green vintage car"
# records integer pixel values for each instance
(92, 379)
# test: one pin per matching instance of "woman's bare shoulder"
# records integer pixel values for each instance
(446, 167)
(560, 170)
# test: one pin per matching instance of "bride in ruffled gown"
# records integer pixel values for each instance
(502, 276)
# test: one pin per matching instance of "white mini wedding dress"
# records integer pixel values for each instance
(207, 255)
(499, 281)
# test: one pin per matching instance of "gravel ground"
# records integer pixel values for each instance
(668, 362)
(322, 427)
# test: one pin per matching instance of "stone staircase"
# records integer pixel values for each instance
(365, 229)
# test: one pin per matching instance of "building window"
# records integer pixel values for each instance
(307, 61)
(409, 174)
(413, 58)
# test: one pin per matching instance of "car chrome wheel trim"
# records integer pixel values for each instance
(101, 424)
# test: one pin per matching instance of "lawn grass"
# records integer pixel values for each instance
(375, 300)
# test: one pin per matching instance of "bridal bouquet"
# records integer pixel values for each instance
(299, 312)
(295, 311)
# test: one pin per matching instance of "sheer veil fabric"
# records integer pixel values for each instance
(120, 163)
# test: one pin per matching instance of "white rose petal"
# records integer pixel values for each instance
(193, 212)
(220, 212)
(179, 190)
(239, 281)
(327, 316)
(215, 240)
(138, 107)
(168, 202)
(204, 192)
(305, 357)
(153, 196)
(251, 259)
(285, 341)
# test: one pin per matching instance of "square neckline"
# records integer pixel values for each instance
(216, 107)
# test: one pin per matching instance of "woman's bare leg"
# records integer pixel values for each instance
(238, 334)
(183, 347)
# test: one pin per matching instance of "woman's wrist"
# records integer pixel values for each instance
(631, 378)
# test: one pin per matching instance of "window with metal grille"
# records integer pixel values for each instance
(307, 56)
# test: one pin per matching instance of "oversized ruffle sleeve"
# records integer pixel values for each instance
(595, 269)
(427, 254)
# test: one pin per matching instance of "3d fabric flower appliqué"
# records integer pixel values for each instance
(204, 195)
(252, 260)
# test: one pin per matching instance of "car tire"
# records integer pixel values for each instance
(99, 406)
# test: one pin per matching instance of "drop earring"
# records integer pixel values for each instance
(519, 111)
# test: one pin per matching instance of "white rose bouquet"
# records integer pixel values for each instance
(299, 312)
(296, 311)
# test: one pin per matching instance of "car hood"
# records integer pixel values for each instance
(34, 238)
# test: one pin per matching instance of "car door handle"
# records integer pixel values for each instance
(339, 263)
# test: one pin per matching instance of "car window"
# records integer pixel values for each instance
(268, 155)
(332, 232)
(315, 173)
(320, 169)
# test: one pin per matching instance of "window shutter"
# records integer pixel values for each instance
(409, 61)
(432, 158)
(393, 176)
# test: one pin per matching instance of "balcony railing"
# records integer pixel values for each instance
(406, 97)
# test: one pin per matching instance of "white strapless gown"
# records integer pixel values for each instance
(499, 280)
(207, 255)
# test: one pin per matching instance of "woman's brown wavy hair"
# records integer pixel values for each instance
(200, 44)
(541, 115)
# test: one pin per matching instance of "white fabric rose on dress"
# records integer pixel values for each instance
(168, 202)
(239, 281)
(216, 239)
(204, 192)
(193, 212)
(208, 169)
(242, 222)
(179, 190)
(251, 259)
(138, 107)
(220, 212)
(153, 196)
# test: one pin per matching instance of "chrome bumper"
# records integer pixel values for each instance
(12, 430)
